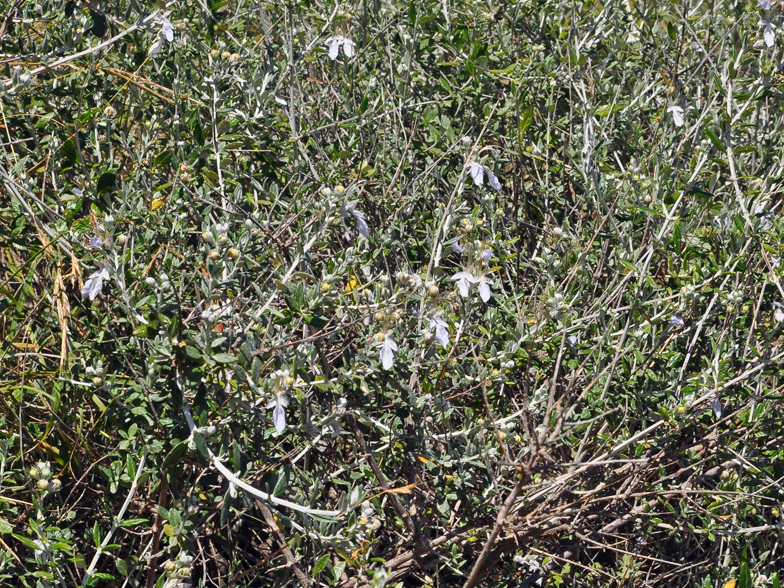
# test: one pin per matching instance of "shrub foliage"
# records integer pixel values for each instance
(427, 293)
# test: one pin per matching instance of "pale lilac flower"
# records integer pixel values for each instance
(167, 29)
(95, 242)
(442, 330)
(484, 287)
(464, 281)
(572, 340)
(677, 114)
(334, 44)
(486, 255)
(478, 171)
(156, 47)
(765, 4)
(676, 321)
(77, 191)
(456, 247)
(361, 223)
(279, 402)
(716, 406)
(769, 34)
(94, 284)
(387, 353)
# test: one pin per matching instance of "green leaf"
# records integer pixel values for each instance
(106, 182)
(5, 527)
(96, 535)
(121, 566)
(744, 577)
(321, 563)
(526, 118)
(28, 542)
(201, 448)
(164, 158)
(134, 522)
(717, 143)
(224, 358)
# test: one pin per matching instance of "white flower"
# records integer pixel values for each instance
(387, 353)
(478, 171)
(442, 330)
(464, 281)
(677, 114)
(519, 560)
(279, 402)
(43, 550)
(769, 34)
(676, 321)
(484, 287)
(94, 284)
(779, 313)
(334, 44)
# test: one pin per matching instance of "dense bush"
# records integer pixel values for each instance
(435, 293)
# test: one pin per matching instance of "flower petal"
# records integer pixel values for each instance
(477, 172)
(156, 47)
(484, 288)
(769, 34)
(334, 47)
(442, 335)
(492, 179)
(716, 406)
(677, 115)
(279, 416)
(361, 223)
(348, 47)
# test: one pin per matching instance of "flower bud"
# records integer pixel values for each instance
(55, 485)
(325, 287)
(234, 254)
(648, 199)
(725, 475)
(97, 381)
(289, 381)
(433, 290)
(121, 240)
(249, 223)
(730, 309)
(226, 55)
(326, 192)
(208, 238)
(427, 337)
(150, 281)
(223, 240)
(43, 484)
(170, 566)
(379, 316)
(214, 255)
(339, 190)
(744, 309)
(775, 512)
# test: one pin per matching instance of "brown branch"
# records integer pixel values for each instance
(292, 562)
